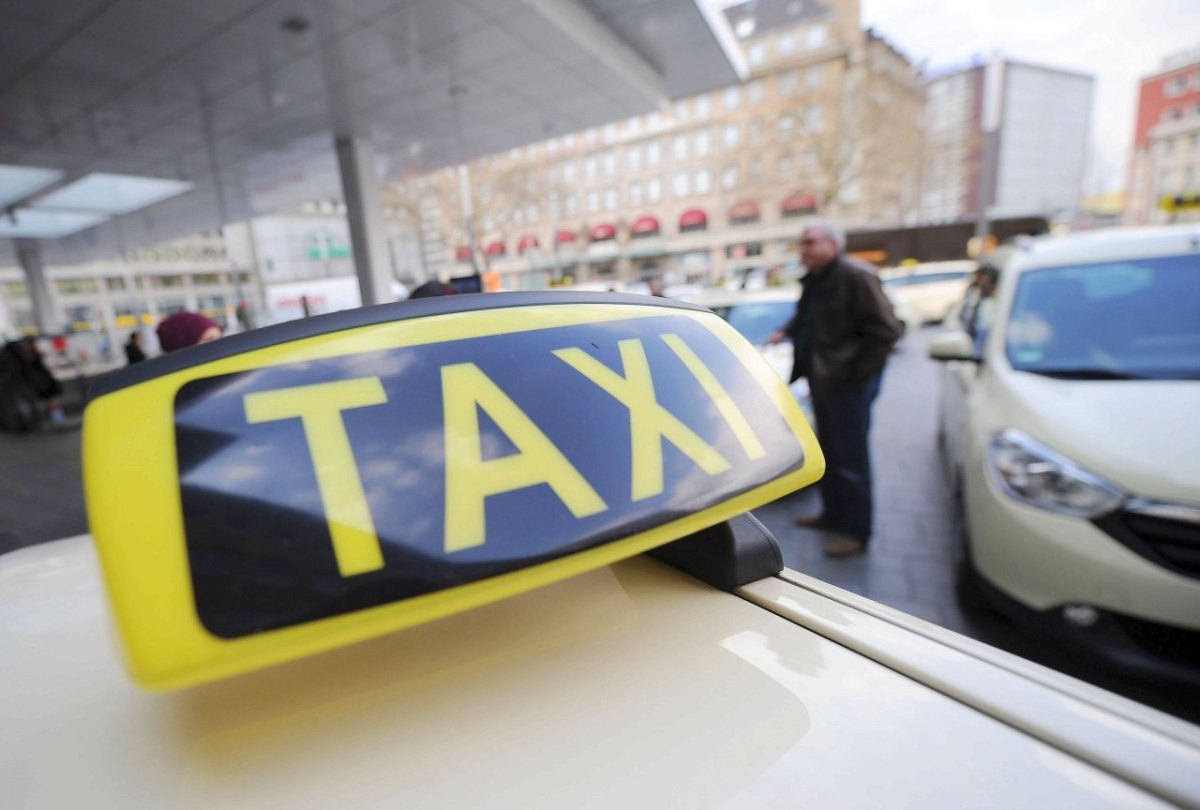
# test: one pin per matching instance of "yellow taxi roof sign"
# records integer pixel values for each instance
(292, 489)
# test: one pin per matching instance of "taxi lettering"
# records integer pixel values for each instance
(471, 478)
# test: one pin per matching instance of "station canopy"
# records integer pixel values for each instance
(130, 122)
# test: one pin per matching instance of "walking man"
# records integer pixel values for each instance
(841, 334)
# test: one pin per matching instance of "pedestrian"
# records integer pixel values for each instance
(841, 333)
(133, 348)
(185, 329)
(980, 317)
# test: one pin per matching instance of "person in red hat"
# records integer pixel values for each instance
(185, 329)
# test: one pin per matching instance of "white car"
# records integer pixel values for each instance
(756, 315)
(365, 594)
(925, 293)
(1071, 428)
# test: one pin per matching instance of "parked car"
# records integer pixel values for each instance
(1071, 437)
(924, 293)
(271, 521)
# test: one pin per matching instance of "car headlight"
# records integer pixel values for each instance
(1028, 471)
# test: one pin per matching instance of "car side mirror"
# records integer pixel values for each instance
(953, 345)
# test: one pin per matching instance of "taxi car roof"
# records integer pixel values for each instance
(631, 684)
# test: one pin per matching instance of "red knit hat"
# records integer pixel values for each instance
(183, 329)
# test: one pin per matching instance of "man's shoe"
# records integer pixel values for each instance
(845, 547)
(812, 522)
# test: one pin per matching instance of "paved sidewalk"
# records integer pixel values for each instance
(910, 562)
(41, 487)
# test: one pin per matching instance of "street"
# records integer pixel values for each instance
(910, 565)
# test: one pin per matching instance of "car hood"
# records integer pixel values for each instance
(1143, 436)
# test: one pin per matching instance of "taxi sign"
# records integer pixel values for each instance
(298, 488)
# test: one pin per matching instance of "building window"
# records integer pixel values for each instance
(610, 133)
(589, 138)
(729, 177)
(568, 171)
(733, 136)
(654, 190)
(681, 147)
(755, 131)
(114, 283)
(754, 92)
(610, 163)
(814, 77)
(589, 167)
(703, 181)
(754, 170)
(82, 286)
(633, 127)
(680, 184)
(787, 165)
(166, 281)
(733, 98)
(703, 142)
(552, 146)
(531, 213)
(786, 45)
(653, 153)
(787, 84)
(816, 37)
(571, 205)
(787, 126)
(814, 118)
(1176, 87)
(703, 107)
(633, 158)
(757, 54)
(593, 201)
(681, 111)
(610, 199)
(635, 194)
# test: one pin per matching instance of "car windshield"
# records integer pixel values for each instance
(1135, 319)
(757, 320)
(925, 278)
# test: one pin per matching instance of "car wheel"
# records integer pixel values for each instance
(967, 585)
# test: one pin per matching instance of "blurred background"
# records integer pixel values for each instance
(261, 161)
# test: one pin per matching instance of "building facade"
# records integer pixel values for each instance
(1166, 142)
(1007, 136)
(98, 304)
(829, 122)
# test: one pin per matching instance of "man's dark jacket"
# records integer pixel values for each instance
(851, 327)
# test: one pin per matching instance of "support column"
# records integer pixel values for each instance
(29, 256)
(360, 189)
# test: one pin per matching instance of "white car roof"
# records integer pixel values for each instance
(633, 685)
(927, 268)
(724, 298)
(1107, 245)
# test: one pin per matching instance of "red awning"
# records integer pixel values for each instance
(694, 218)
(463, 254)
(799, 202)
(496, 249)
(564, 236)
(744, 210)
(526, 242)
(602, 232)
(644, 226)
